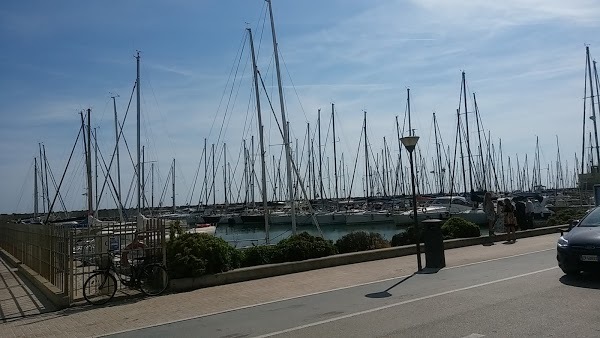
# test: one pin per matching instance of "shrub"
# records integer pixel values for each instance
(193, 255)
(302, 246)
(566, 216)
(407, 237)
(258, 255)
(361, 241)
(456, 227)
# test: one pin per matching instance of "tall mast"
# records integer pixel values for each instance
(309, 166)
(246, 184)
(35, 188)
(334, 153)
(205, 173)
(589, 64)
(45, 163)
(462, 157)
(320, 157)
(598, 101)
(152, 185)
(117, 153)
(366, 162)
(464, 83)
(410, 130)
(286, 135)
(214, 192)
(225, 173)
(139, 142)
(173, 181)
(252, 173)
(42, 176)
(89, 169)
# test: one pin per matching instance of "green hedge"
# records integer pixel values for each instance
(193, 255)
(302, 246)
(361, 241)
(258, 255)
(407, 237)
(456, 227)
(566, 216)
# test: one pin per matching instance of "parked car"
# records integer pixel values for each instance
(579, 249)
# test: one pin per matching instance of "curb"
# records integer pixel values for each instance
(272, 270)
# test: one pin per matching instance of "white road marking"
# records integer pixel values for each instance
(350, 315)
(315, 293)
(474, 335)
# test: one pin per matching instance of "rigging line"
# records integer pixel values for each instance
(63, 175)
(355, 164)
(270, 103)
(112, 183)
(240, 48)
(23, 186)
(293, 86)
(121, 125)
(62, 202)
(264, 20)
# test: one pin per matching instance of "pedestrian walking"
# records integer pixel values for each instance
(510, 221)
(490, 212)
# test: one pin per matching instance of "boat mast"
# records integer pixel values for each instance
(225, 174)
(320, 158)
(286, 135)
(173, 182)
(309, 164)
(35, 188)
(464, 85)
(214, 192)
(152, 186)
(366, 162)
(334, 154)
(139, 142)
(587, 50)
(118, 158)
(42, 178)
(45, 163)
(462, 157)
(205, 174)
(88, 167)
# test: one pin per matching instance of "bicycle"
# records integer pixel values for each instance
(150, 278)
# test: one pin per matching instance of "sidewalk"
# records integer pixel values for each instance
(17, 297)
(141, 312)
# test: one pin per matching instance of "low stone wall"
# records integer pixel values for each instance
(271, 270)
(51, 292)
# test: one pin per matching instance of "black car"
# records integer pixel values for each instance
(579, 249)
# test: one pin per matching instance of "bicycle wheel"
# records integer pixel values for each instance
(154, 279)
(99, 288)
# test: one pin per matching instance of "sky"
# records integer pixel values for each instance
(524, 59)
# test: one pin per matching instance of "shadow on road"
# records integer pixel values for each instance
(585, 280)
(385, 293)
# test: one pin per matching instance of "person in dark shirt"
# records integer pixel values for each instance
(521, 215)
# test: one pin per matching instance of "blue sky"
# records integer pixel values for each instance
(524, 59)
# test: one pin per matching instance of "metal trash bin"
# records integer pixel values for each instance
(434, 243)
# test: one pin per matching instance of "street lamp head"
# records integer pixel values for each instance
(410, 142)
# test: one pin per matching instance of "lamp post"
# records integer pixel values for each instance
(410, 142)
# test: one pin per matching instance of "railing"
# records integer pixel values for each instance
(67, 256)
(44, 248)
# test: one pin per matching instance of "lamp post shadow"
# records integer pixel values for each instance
(385, 293)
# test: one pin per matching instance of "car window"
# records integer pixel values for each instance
(592, 219)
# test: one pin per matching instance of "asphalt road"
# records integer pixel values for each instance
(518, 296)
